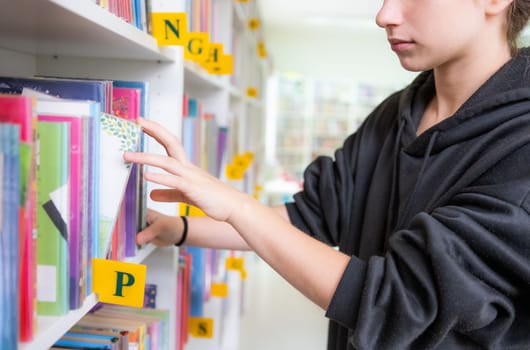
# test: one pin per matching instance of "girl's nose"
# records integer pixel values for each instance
(389, 14)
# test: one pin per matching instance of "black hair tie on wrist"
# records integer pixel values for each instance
(184, 231)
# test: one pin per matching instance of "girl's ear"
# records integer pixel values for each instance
(495, 7)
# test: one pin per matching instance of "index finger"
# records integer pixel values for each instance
(169, 141)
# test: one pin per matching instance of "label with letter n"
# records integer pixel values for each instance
(118, 282)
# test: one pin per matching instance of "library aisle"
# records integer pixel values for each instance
(276, 316)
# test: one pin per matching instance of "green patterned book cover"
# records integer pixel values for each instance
(117, 136)
(53, 193)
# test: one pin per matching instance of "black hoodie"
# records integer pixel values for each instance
(437, 225)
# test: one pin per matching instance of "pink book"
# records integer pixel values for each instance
(126, 105)
(75, 238)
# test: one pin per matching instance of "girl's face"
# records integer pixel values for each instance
(426, 34)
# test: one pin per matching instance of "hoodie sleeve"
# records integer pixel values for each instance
(328, 192)
(325, 206)
(459, 274)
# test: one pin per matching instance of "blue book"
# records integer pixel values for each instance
(198, 276)
(81, 344)
(9, 247)
(75, 89)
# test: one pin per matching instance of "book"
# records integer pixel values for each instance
(77, 341)
(183, 298)
(52, 218)
(18, 110)
(77, 204)
(9, 148)
(130, 245)
(94, 91)
(117, 136)
(74, 89)
(126, 104)
(136, 330)
(153, 321)
(150, 296)
(122, 335)
(88, 111)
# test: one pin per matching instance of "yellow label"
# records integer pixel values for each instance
(118, 282)
(243, 160)
(262, 52)
(219, 290)
(196, 48)
(253, 23)
(190, 210)
(217, 61)
(233, 263)
(201, 327)
(252, 92)
(170, 28)
(234, 172)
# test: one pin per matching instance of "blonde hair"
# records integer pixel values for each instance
(518, 15)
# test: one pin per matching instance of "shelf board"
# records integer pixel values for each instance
(195, 77)
(84, 30)
(52, 328)
(141, 255)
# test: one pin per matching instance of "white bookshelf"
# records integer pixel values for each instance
(80, 39)
(245, 117)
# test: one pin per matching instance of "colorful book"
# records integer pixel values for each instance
(126, 104)
(123, 336)
(9, 231)
(93, 91)
(77, 200)
(85, 343)
(18, 110)
(151, 323)
(117, 136)
(136, 330)
(52, 218)
(3, 290)
(89, 112)
(131, 247)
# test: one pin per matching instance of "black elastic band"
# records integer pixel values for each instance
(184, 231)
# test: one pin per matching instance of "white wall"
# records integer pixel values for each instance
(362, 54)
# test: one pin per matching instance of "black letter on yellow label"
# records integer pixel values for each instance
(120, 282)
(203, 328)
(176, 31)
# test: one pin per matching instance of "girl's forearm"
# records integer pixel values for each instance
(309, 265)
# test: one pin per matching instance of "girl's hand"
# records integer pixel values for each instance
(187, 182)
(162, 230)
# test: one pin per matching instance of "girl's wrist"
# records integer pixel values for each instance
(184, 231)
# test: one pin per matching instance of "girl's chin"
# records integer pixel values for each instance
(413, 66)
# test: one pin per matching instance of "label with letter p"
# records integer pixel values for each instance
(118, 282)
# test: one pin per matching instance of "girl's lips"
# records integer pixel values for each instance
(398, 45)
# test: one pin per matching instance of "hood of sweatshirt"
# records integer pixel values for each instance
(472, 139)
(508, 90)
